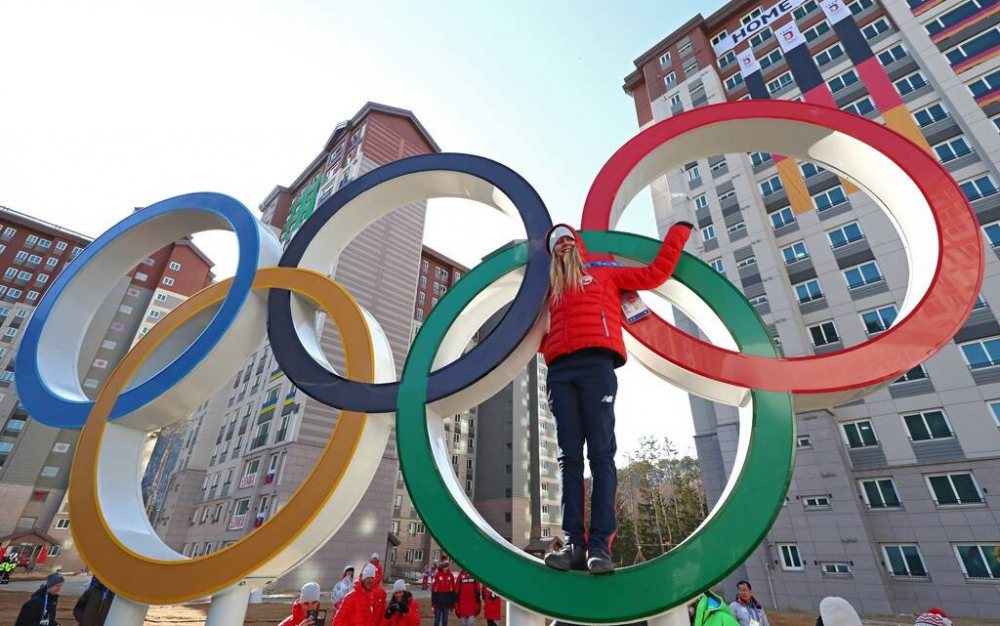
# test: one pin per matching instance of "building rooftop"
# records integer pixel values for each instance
(34, 222)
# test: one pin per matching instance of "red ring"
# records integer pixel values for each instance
(935, 320)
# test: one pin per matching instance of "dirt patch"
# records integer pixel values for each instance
(272, 614)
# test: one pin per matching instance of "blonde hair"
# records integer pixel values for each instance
(566, 273)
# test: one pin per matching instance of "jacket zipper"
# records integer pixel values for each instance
(604, 320)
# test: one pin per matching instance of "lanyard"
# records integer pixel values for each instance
(602, 264)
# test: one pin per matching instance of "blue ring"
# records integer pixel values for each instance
(48, 408)
(341, 393)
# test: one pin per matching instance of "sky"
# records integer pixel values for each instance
(105, 107)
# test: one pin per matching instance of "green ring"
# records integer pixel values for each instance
(631, 593)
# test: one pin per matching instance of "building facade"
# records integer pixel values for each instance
(891, 504)
(35, 459)
(251, 445)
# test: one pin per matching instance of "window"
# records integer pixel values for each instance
(783, 217)
(675, 99)
(982, 352)
(9, 232)
(155, 314)
(736, 227)
(860, 434)
(954, 489)
(979, 561)
(62, 523)
(770, 186)
(708, 233)
(420, 314)
(910, 83)
(974, 46)
(747, 262)
(758, 158)
(10, 273)
(770, 58)
(670, 80)
(665, 58)
(816, 31)
(842, 80)
(981, 86)
(927, 425)
(693, 173)
(162, 297)
(21, 256)
(876, 28)
(928, 115)
(50, 471)
(995, 411)
(837, 569)
(804, 10)
(795, 252)
(175, 266)
(880, 493)
(41, 278)
(716, 167)
(61, 245)
(830, 198)
(811, 169)
(685, 48)
(952, 149)
(761, 37)
(862, 106)
(808, 291)
(891, 55)
(848, 233)
(878, 320)
(803, 442)
(734, 81)
(691, 68)
(904, 561)
(719, 37)
(14, 293)
(31, 240)
(24, 275)
(169, 282)
(701, 202)
(824, 334)
(979, 187)
(32, 295)
(10, 332)
(779, 83)
(727, 58)
(790, 558)
(861, 275)
(35, 259)
(816, 502)
(718, 266)
(992, 231)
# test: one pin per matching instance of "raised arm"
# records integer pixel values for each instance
(657, 272)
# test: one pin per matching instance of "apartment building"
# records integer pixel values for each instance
(892, 503)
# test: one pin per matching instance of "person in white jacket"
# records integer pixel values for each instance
(746, 609)
(343, 587)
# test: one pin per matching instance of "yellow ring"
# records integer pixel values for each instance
(154, 581)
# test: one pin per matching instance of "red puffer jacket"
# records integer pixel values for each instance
(468, 595)
(592, 316)
(410, 618)
(491, 604)
(356, 609)
(378, 604)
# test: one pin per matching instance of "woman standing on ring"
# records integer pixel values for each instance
(582, 349)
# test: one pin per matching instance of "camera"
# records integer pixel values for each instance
(318, 616)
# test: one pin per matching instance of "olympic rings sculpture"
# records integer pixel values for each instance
(193, 350)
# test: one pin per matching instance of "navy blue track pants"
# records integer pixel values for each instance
(582, 387)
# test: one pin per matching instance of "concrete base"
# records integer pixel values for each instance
(229, 607)
(125, 612)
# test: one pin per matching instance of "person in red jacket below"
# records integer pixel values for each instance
(442, 592)
(403, 608)
(491, 607)
(308, 600)
(469, 599)
(378, 568)
(583, 347)
(357, 607)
